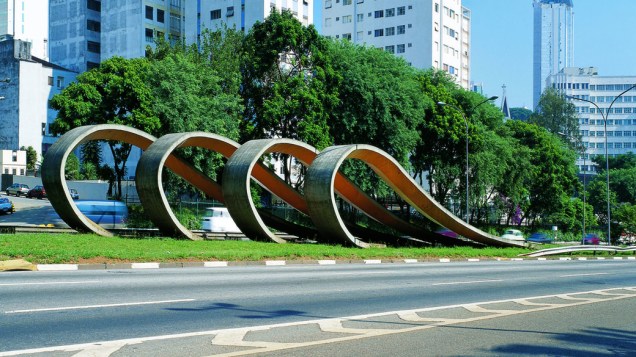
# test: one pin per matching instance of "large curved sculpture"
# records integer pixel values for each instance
(322, 184)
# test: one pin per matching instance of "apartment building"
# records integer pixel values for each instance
(30, 83)
(553, 45)
(426, 33)
(600, 91)
(239, 14)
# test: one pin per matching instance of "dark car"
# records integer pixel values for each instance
(17, 189)
(539, 238)
(37, 191)
(591, 239)
(6, 206)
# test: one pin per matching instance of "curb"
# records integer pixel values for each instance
(274, 263)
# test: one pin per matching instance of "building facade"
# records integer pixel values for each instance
(586, 84)
(239, 14)
(31, 83)
(553, 45)
(83, 32)
(26, 20)
(426, 33)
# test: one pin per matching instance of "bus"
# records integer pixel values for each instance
(108, 214)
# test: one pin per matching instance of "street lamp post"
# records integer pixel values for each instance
(604, 115)
(466, 122)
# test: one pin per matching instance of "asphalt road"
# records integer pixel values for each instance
(31, 212)
(471, 308)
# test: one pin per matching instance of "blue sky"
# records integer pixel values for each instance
(502, 42)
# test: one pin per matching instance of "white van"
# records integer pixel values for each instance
(218, 219)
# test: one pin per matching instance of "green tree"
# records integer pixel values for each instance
(31, 157)
(440, 152)
(72, 168)
(551, 178)
(286, 83)
(381, 104)
(557, 115)
(196, 90)
(625, 215)
(522, 114)
(114, 93)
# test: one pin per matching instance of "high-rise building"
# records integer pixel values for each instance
(26, 20)
(239, 14)
(586, 84)
(426, 33)
(553, 45)
(84, 32)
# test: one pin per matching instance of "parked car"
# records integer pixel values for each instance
(6, 206)
(539, 238)
(591, 239)
(513, 234)
(17, 189)
(74, 194)
(37, 191)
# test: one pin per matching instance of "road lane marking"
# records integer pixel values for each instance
(233, 337)
(97, 306)
(469, 282)
(582, 274)
(52, 283)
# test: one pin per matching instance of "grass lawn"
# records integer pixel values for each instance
(55, 248)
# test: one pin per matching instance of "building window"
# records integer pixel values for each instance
(436, 7)
(93, 46)
(327, 21)
(50, 80)
(230, 11)
(360, 17)
(94, 26)
(161, 16)
(215, 14)
(379, 32)
(401, 11)
(346, 19)
(346, 2)
(60, 82)
(389, 12)
(359, 36)
(389, 31)
(401, 48)
(401, 30)
(379, 13)
(346, 36)
(94, 5)
(327, 4)
(149, 12)
(390, 49)
(149, 35)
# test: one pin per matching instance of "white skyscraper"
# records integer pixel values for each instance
(426, 33)
(27, 20)
(553, 44)
(240, 14)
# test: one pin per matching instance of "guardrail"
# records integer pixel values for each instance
(581, 248)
